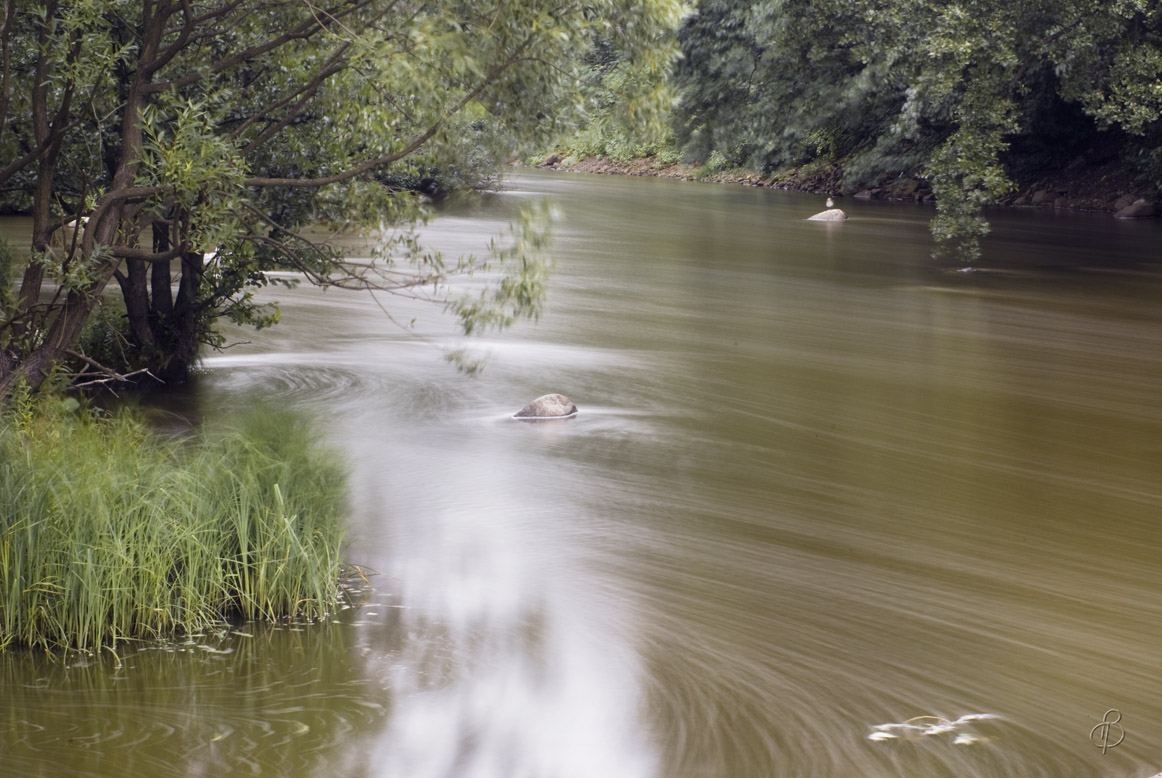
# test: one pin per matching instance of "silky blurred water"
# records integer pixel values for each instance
(818, 487)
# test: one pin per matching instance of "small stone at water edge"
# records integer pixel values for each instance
(549, 406)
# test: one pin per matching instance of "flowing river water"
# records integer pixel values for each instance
(827, 510)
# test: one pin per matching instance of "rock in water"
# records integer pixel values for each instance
(832, 215)
(549, 406)
(1139, 209)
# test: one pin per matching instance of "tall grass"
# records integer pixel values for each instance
(110, 533)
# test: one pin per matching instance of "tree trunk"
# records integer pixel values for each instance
(135, 293)
(42, 193)
(183, 335)
(105, 225)
(160, 284)
(34, 367)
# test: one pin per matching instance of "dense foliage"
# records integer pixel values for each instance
(624, 105)
(109, 533)
(945, 90)
(195, 137)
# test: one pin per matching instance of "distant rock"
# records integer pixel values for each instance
(865, 194)
(1124, 201)
(904, 187)
(1139, 209)
(552, 160)
(1044, 197)
(549, 406)
(831, 215)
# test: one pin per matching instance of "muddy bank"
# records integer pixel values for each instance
(1106, 188)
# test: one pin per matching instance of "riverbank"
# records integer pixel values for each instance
(1105, 187)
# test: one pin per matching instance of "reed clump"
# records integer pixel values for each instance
(110, 533)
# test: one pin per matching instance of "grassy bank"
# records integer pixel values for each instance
(109, 533)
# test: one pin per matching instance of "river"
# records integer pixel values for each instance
(827, 510)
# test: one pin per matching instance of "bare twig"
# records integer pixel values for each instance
(108, 374)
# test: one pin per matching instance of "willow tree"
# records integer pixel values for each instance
(177, 147)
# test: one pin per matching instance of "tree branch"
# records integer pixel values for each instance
(5, 63)
(146, 255)
(172, 50)
(110, 375)
(218, 12)
(304, 96)
(304, 30)
(415, 143)
(108, 201)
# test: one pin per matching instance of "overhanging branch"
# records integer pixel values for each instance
(418, 141)
(304, 30)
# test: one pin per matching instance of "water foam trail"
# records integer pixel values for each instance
(549, 708)
(514, 663)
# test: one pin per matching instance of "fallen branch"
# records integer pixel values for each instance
(108, 374)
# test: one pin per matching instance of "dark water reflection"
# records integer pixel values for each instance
(817, 485)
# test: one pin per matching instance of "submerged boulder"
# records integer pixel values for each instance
(830, 215)
(549, 406)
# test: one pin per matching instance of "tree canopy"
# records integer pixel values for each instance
(944, 88)
(149, 138)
